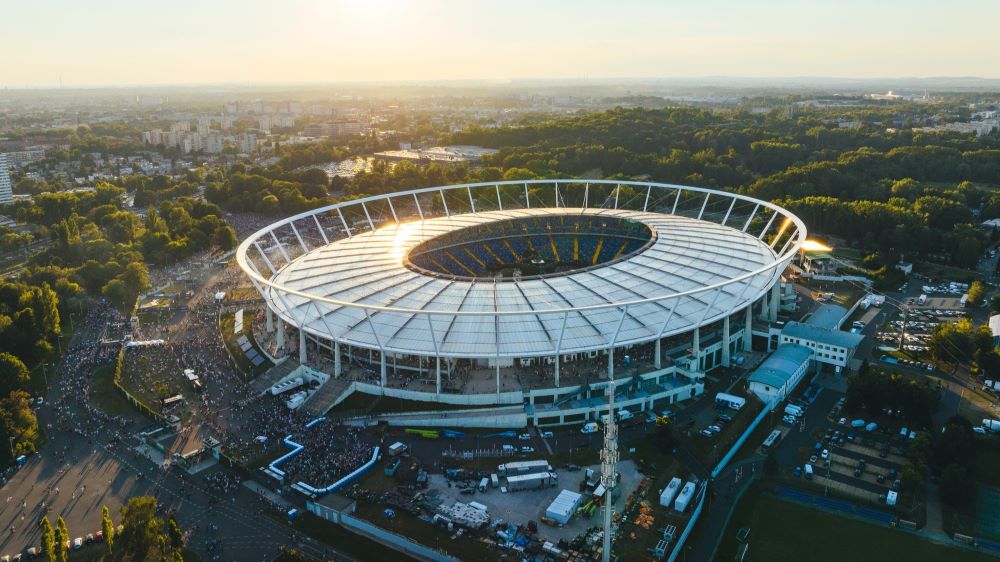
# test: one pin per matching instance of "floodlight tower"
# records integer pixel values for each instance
(609, 464)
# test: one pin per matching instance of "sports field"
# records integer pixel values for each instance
(783, 531)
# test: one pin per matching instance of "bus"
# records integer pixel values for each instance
(425, 433)
(771, 440)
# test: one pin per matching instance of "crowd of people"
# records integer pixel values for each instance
(98, 338)
(330, 451)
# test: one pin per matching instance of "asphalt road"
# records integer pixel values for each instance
(74, 477)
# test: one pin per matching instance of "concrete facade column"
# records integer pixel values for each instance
(557, 370)
(763, 307)
(772, 311)
(382, 375)
(725, 341)
(696, 346)
(302, 346)
(611, 363)
(268, 319)
(281, 336)
(437, 374)
(337, 367)
(657, 354)
(748, 331)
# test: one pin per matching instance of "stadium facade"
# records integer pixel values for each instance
(515, 303)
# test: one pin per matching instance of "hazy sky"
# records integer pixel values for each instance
(95, 42)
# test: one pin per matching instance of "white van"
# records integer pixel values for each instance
(589, 428)
(809, 472)
(494, 480)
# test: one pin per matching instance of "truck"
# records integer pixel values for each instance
(858, 423)
(922, 300)
(589, 428)
(991, 425)
(871, 427)
(523, 467)
(670, 492)
(397, 448)
(794, 411)
(620, 415)
(733, 402)
(535, 481)
(991, 385)
(684, 497)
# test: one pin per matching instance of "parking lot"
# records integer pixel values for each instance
(845, 460)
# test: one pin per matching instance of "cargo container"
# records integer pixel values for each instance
(858, 423)
(562, 508)
(670, 492)
(684, 497)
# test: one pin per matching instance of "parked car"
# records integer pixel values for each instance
(524, 437)
(825, 454)
(548, 435)
(527, 450)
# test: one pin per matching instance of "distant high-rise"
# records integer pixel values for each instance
(6, 193)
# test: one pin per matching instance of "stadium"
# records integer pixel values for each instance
(516, 303)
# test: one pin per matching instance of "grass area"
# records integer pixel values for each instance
(230, 338)
(357, 546)
(465, 548)
(781, 530)
(242, 294)
(939, 271)
(104, 394)
(361, 402)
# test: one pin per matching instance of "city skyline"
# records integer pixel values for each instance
(117, 43)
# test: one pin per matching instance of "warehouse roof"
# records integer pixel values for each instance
(781, 365)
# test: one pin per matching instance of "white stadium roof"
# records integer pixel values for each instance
(568, 313)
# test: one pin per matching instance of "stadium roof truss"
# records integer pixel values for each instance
(339, 272)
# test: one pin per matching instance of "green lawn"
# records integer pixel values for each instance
(105, 396)
(781, 531)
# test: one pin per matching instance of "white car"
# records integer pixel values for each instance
(825, 454)
(548, 435)
(77, 543)
(979, 429)
(524, 437)
(842, 421)
(527, 450)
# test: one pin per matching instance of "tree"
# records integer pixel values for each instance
(175, 534)
(62, 537)
(225, 238)
(140, 526)
(48, 539)
(108, 528)
(14, 374)
(18, 424)
(977, 293)
(910, 478)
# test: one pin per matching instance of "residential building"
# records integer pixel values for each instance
(6, 191)
(213, 144)
(246, 143)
